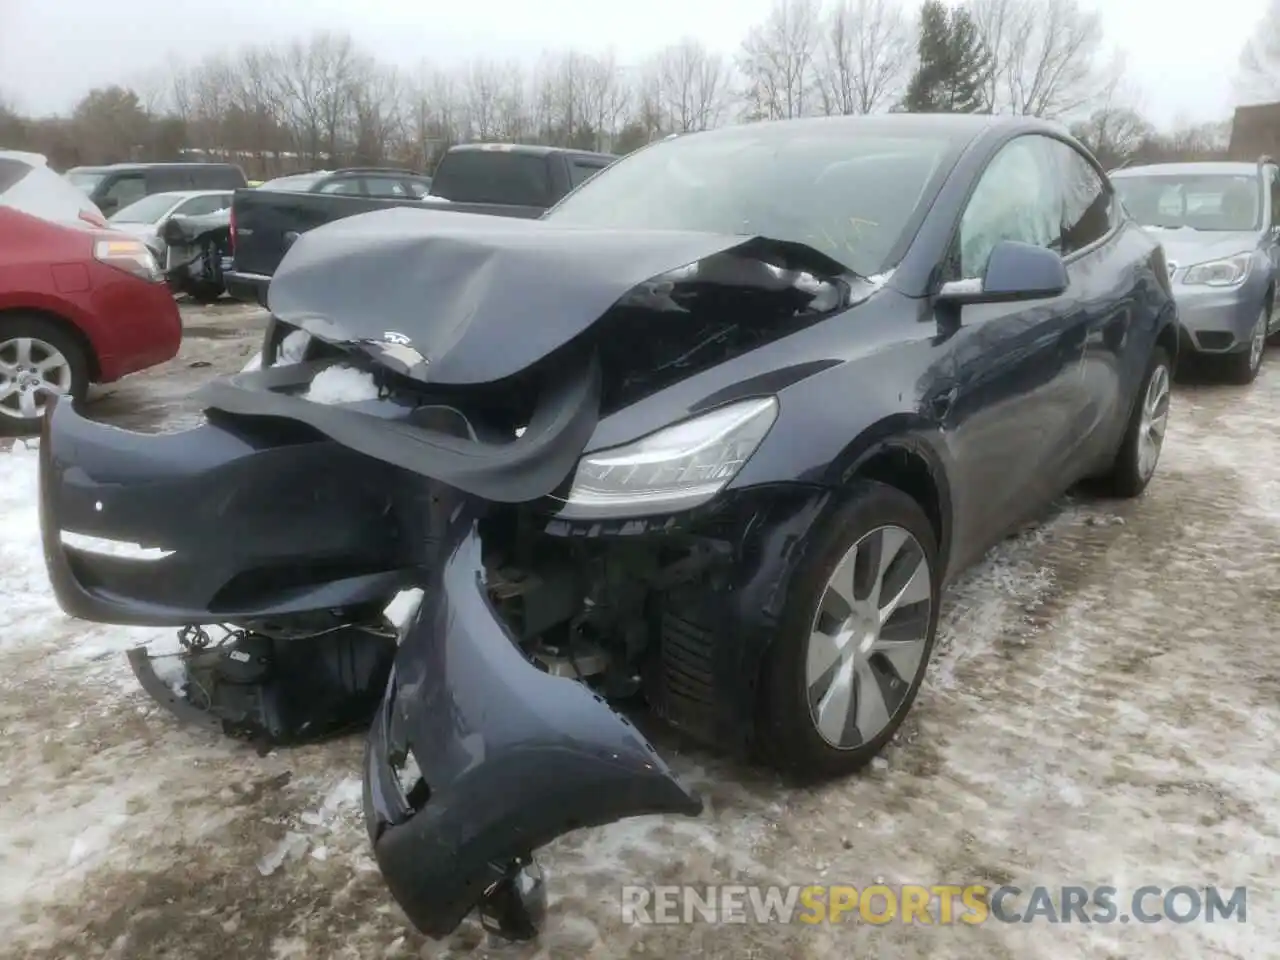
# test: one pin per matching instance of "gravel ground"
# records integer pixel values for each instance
(1102, 709)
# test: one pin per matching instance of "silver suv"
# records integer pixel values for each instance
(1219, 224)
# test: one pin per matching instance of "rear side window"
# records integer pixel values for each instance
(493, 176)
(580, 171)
(1086, 201)
(125, 190)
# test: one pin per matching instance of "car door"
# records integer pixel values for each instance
(1104, 298)
(1006, 401)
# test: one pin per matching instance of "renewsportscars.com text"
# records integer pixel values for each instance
(939, 904)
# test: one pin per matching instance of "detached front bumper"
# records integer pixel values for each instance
(509, 757)
(215, 524)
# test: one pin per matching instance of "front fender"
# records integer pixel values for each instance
(510, 757)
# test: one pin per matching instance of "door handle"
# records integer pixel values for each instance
(941, 404)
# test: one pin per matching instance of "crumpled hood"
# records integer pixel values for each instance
(455, 299)
(1186, 247)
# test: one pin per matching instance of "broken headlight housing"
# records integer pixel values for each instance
(675, 468)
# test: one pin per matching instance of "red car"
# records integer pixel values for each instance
(80, 303)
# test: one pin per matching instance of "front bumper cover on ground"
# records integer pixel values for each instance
(510, 757)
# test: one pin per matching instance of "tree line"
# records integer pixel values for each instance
(324, 101)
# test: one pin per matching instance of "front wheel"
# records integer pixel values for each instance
(854, 641)
(38, 360)
(1243, 367)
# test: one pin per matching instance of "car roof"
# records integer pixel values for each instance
(529, 149)
(960, 129)
(1228, 167)
(113, 167)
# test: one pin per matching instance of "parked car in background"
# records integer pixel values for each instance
(1219, 223)
(144, 218)
(499, 179)
(79, 301)
(116, 186)
(390, 183)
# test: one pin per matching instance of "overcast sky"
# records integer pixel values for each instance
(1182, 54)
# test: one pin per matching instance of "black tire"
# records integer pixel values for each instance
(1125, 479)
(18, 326)
(1240, 367)
(787, 735)
(206, 293)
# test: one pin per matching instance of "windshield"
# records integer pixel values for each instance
(147, 210)
(298, 183)
(84, 181)
(849, 196)
(1218, 201)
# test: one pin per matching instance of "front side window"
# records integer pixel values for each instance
(385, 187)
(1019, 197)
(1086, 201)
(849, 193)
(345, 188)
(200, 206)
(1201, 201)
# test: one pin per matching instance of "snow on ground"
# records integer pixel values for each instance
(1103, 708)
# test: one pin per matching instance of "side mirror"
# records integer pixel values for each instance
(1015, 271)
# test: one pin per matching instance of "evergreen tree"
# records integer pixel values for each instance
(954, 63)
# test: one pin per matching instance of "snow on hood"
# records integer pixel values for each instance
(463, 299)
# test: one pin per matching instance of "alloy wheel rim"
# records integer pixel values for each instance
(868, 637)
(1259, 342)
(31, 370)
(1154, 421)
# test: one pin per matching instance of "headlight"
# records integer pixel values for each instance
(1219, 273)
(131, 256)
(675, 468)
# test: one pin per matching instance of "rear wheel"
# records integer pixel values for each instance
(855, 638)
(38, 359)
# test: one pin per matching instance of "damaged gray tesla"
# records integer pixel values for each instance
(712, 435)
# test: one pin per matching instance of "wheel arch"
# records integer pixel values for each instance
(65, 325)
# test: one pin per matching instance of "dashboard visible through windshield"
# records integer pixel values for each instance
(1226, 202)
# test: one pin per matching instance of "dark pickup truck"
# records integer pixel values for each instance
(497, 179)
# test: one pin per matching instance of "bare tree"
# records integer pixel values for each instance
(865, 55)
(777, 61)
(1116, 130)
(689, 87)
(1044, 55)
(1259, 75)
